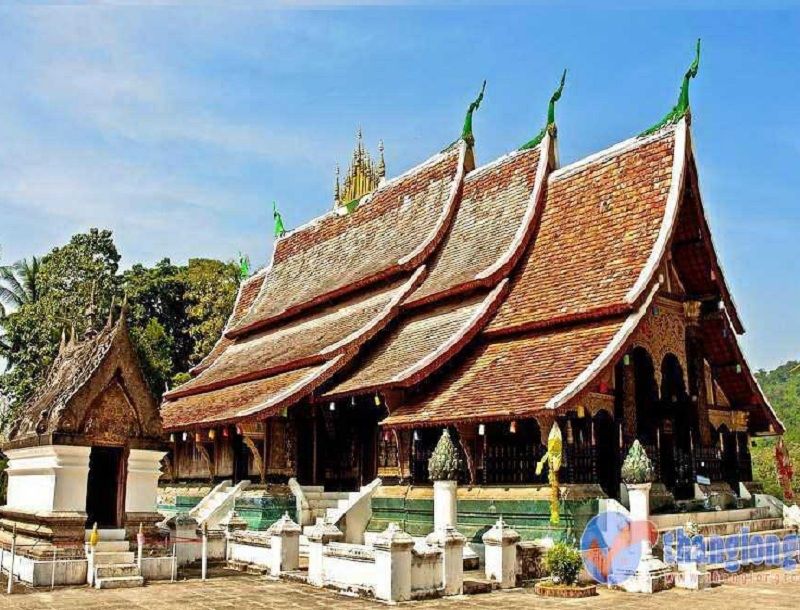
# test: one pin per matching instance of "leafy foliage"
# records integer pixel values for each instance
(782, 387)
(175, 313)
(563, 562)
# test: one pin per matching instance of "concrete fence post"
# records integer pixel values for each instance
(500, 544)
(393, 564)
(451, 542)
(321, 534)
(284, 545)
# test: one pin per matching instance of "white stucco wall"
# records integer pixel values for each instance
(144, 469)
(48, 478)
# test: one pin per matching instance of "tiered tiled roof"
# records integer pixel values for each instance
(528, 284)
(392, 232)
(324, 295)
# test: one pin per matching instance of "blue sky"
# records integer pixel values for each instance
(177, 126)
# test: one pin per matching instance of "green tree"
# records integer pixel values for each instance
(19, 284)
(782, 387)
(211, 288)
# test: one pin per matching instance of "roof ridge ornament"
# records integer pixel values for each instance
(244, 266)
(279, 229)
(680, 109)
(551, 116)
(466, 133)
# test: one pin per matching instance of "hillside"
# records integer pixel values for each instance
(782, 387)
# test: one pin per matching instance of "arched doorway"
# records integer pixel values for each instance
(646, 391)
(607, 456)
(727, 443)
(674, 429)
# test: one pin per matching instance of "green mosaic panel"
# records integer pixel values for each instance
(531, 518)
(261, 512)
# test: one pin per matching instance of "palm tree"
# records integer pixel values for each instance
(19, 284)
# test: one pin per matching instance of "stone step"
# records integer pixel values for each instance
(102, 559)
(113, 570)
(113, 546)
(119, 582)
(473, 586)
(107, 534)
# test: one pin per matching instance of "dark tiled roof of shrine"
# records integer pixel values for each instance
(79, 375)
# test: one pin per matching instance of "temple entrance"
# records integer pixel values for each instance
(608, 468)
(105, 491)
(341, 444)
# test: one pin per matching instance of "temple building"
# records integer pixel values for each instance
(492, 300)
(85, 450)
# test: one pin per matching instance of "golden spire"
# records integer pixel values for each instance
(362, 177)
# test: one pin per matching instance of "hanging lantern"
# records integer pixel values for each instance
(627, 360)
(225, 432)
(212, 434)
(352, 401)
(185, 437)
(738, 369)
(416, 435)
(581, 412)
(386, 436)
(377, 400)
(481, 429)
(172, 437)
(285, 412)
(603, 387)
(512, 428)
(238, 429)
(332, 406)
(197, 437)
(712, 275)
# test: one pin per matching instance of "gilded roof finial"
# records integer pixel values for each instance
(551, 115)
(682, 107)
(361, 178)
(466, 133)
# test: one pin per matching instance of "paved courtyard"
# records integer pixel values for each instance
(774, 589)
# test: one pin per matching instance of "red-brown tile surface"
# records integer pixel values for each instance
(231, 402)
(341, 251)
(597, 230)
(414, 338)
(295, 340)
(494, 202)
(508, 378)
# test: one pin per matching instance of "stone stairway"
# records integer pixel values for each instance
(112, 564)
(217, 504)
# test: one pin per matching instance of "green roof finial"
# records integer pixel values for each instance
(466, 133)
(682, 107)
(280, 230)
(551, 115)
(244, 266)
